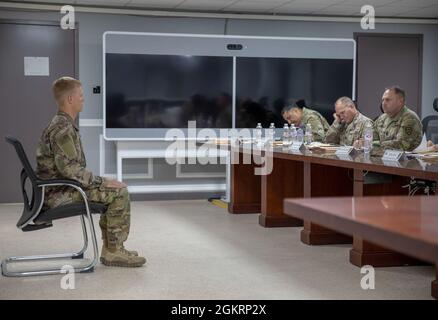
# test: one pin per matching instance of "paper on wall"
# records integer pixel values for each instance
(36, 66)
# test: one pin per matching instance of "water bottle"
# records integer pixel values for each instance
(258, 132)
(367, 138)
(286, 135)
(293, 133)
(308, 134)
(271, 132)
(300, 135)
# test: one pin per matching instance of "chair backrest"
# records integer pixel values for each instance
(31, 207)
(430, 128)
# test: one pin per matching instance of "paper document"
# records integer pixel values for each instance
(36, 66)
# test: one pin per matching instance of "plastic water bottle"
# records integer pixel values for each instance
(271, 132)
(293, 133)
(367, 138)
(286, 135)
(308, 134)
(258, 132)
(300, 135)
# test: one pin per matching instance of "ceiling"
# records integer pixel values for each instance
(383, 8)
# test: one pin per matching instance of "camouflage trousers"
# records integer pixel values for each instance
(114, 223)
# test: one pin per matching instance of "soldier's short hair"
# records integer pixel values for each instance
(346, 101)
(300, 104)
(286, 108)
(291, 104)
(397, 90)
(63, 86)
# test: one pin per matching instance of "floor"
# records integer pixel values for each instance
(196, 250)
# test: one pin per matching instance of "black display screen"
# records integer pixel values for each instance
(167, 91)
(264, 85)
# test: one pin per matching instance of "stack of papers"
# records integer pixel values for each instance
(219, 141)
(431, 157)
(319, 147)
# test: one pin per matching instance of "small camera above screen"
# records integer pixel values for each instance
(234, 47)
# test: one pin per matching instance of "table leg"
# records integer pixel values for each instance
(285, 181)
(324, 181)
(245, 187)
(368, 253)
(314, 234)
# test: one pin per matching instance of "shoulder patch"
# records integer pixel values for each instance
(66, 144)
(408, 130)
(411, 126)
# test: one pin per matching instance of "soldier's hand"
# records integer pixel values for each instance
(358, 144)
(114, 184)
(431, 146)
(335, 116)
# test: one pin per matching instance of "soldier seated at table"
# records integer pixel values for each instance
(349, 123)
(398, 128)
(298, 114)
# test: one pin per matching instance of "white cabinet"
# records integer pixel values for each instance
(175, 157)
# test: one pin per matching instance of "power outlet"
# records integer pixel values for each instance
(96, 89)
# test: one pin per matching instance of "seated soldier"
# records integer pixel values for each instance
(398, 128)
(349, 123)
(60, 156)
(298, 114)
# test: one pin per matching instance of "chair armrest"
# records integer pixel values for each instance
(42, 183)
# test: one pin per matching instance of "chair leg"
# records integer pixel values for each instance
(89, 267)
(80, 254)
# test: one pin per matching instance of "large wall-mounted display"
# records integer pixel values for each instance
(153, 82)
(265, 85)
(167, 91)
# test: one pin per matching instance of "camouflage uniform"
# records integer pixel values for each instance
(402, 132)
(317, 122)
(345, 134)
(60, 155)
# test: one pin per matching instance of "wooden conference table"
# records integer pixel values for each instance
(404, 224)
(306, 174)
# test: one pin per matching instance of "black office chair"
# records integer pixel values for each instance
(35, 218)
(430, 125)
(430, 129)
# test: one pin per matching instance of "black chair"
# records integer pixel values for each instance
(34, 217)
(430, 125)
(430, 128)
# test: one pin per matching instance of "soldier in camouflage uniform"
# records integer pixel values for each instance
(60, 155)
(298, 114)
(349, 123)
(398, 128)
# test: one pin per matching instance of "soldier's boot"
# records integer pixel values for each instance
(105, 245)
(118, 256)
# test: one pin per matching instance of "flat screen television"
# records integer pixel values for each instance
(151, 91)
(265, 85)
(154, 82)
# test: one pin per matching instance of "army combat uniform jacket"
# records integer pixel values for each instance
(317, 122)
(402, 132)
(346, 134)
(60, 156)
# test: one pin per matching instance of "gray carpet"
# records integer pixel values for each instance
(196, 250)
